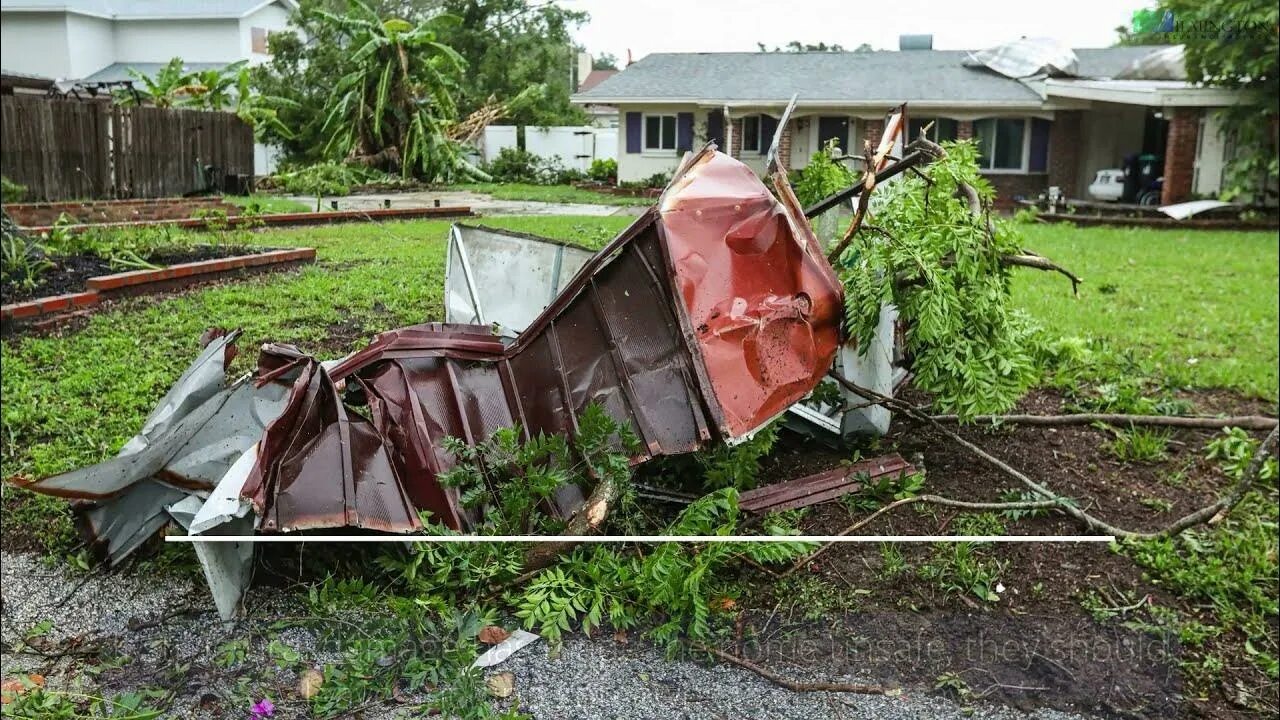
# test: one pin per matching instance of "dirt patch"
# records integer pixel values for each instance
(1037, 645)
(71, 272)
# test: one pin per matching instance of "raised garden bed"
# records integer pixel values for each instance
(80, 281)
(116, 211)
(270, 220)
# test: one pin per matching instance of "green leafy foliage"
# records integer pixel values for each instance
(1234, 44)
(1140, 444)
(37, 703)
(509, 483)
(11, 191)
(23, 260)
(971, 347)
(1229, 567)
(823, 176)
(394, 101)
(603, 170)
(672, 586)
(737, 466)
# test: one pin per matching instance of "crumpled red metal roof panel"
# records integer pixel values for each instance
(763, 303)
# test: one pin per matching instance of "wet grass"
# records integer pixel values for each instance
(1195, 307)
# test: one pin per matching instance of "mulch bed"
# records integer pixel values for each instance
(73, 271)
(1037, 646)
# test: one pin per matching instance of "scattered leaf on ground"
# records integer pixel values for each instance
(492, 635)
(501, 685)
(309, 684)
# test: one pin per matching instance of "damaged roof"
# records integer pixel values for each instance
(862, 78)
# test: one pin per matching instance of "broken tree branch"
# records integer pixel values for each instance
(796, 685)
(864, 200)
(1039, 262)
(1246, 422)
(1220, 507)
(932, 500)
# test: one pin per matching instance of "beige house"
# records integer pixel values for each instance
(1034, 132)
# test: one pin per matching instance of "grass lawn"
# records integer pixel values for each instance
(72, 400)
(269, 203)
(1196, 307)
(549, 193)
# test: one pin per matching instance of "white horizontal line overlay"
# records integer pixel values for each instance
(640, 538)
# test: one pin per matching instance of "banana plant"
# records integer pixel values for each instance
(393, 108)
(165, 89)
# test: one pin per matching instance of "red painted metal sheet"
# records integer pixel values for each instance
(821, 487)
(763, 304)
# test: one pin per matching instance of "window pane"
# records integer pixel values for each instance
(1009, 132)
(946, 129)
(914, 126)
(751, 133)
(652, 132)
(984, 131)
(668, 132)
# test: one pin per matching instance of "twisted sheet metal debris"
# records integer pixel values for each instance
(706, 318)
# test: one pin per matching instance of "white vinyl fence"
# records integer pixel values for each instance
(576, 146)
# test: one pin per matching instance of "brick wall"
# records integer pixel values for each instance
(964, 130)
(1180, 155)
(1010, 185)
(735, 143)
(1064, 149)
(871, 132)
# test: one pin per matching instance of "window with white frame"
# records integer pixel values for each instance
(1002, 143)
(659, 133)
(751, 133)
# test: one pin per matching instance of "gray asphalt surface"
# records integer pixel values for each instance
(164, 623)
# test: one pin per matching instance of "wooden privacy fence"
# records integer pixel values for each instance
(70, 150)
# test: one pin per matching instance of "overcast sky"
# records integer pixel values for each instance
(647, 26)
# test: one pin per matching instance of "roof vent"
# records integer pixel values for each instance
(915, 42)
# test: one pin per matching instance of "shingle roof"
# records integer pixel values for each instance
(120, 71)
(848, 77)
(126, 9)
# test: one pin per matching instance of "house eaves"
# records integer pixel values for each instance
(151, 10)
(1147, 93)
(870, 80)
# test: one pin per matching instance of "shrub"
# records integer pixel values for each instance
(11, 191)
(603, 170)
(514, 165)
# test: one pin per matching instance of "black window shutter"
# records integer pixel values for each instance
(1039, 160)
(684, 132)
(633, 132)
(715, 129)
(768, 126)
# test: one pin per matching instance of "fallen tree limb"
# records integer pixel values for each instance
(1031, 260)
(1219, 508)
(1246, 422)
(796, 685)
(864, 201)
(932, 500)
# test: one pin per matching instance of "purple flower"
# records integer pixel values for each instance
(264, 708)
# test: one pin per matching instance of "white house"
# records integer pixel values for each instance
(99, 40)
